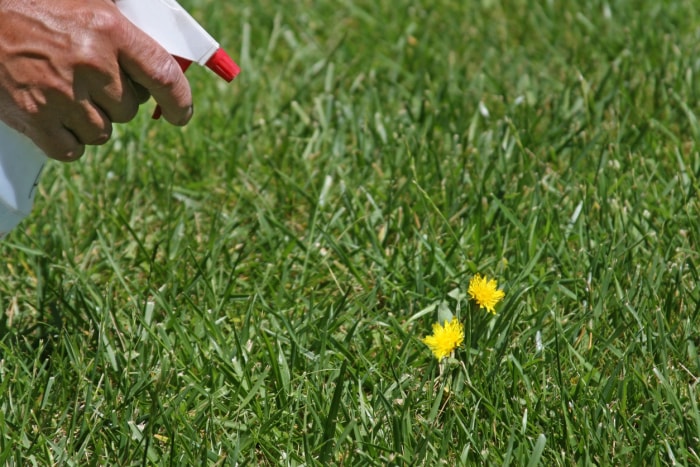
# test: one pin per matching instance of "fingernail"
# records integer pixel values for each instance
(188, 116)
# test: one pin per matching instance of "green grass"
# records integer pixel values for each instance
(253, 288)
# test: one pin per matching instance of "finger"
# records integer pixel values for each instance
(89, 124)
(118, 100)
(142, 94)
(152, 67)
(59, 144)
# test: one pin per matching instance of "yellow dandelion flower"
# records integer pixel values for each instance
(445, 338)
(485, 292)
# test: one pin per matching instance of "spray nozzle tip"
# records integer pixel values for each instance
(223, 65)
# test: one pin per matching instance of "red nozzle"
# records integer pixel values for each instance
(221, 64)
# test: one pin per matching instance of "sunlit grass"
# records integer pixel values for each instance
(255, 288)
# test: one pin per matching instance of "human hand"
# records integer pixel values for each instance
(70, 68)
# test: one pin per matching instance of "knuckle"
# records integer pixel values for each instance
(104, 20)
(101, 25)
(88, 56)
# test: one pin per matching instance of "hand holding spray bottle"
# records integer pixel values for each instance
(21, 162)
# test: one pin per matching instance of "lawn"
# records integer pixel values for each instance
(254, 288)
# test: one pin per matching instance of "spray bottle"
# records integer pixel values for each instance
(21, 162)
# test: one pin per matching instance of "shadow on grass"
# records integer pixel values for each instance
(25, 339)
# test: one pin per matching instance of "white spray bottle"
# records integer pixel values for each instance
(21, 162)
